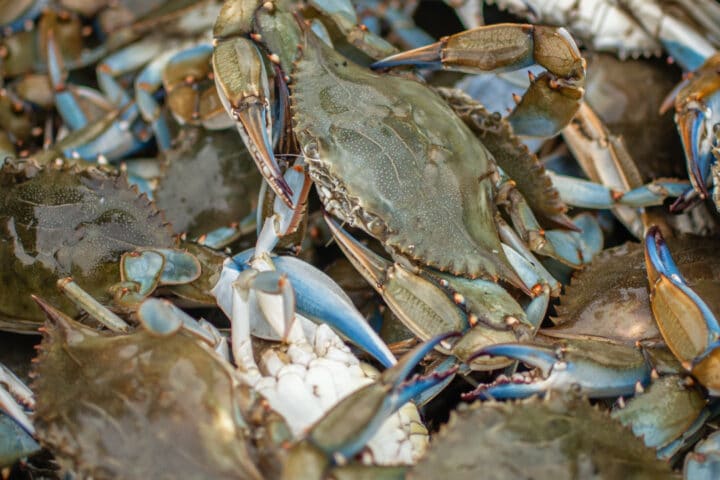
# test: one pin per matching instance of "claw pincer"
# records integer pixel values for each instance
(686, 322)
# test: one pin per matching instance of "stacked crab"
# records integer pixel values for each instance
(437, 231)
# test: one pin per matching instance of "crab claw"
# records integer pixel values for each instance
(596, 369)
(553, 97)
(688, 325)
(696, 105)
(340, 436)
(317, 296)
(691, 123)
(245, 98)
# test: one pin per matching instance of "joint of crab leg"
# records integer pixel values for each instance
(337, 434)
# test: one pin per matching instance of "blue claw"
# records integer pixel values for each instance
(320, 298)
(661, 261)
(596, 369)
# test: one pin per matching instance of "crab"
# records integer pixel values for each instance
(375, 145)
(64, 219)
(257, 444)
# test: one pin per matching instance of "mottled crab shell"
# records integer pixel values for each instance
(512, 156)
(539, 439)
(610, 298)
(387, 154)
(143, 406)
(209, 181)
(59, 221)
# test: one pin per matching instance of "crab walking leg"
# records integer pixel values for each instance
(586, 194)
(563, 245)
(164, 318)
(432, 302)
(605, 160)
(83, 300)
(680, 40)
(553, 97)
(686, 322)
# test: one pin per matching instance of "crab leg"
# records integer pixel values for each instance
(563, 245)
(118, 139)
(680, 40)
(553, 97)
(429, 302)
(317, 296)
(563, 371)
(586, 194)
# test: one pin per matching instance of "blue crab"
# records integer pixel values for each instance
(173, 350)
(64, 219)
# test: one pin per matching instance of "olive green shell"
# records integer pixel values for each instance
(209, 181)
(143, 406)
(512, 156)
(387, 154)
(551, 439)
(610, 298)
(57, 221)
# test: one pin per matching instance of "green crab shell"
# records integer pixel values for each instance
(388, 155)
(551, 438)
(139, 406)
(66, 221)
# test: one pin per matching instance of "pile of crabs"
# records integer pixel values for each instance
(369, 239)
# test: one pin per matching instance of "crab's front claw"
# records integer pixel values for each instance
(688, 325)
(553, 97)
(695, 107)
(340, 435)
(591, 368)
(317, 297)
(245, 97)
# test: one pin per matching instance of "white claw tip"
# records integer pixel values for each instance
(639, 388)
